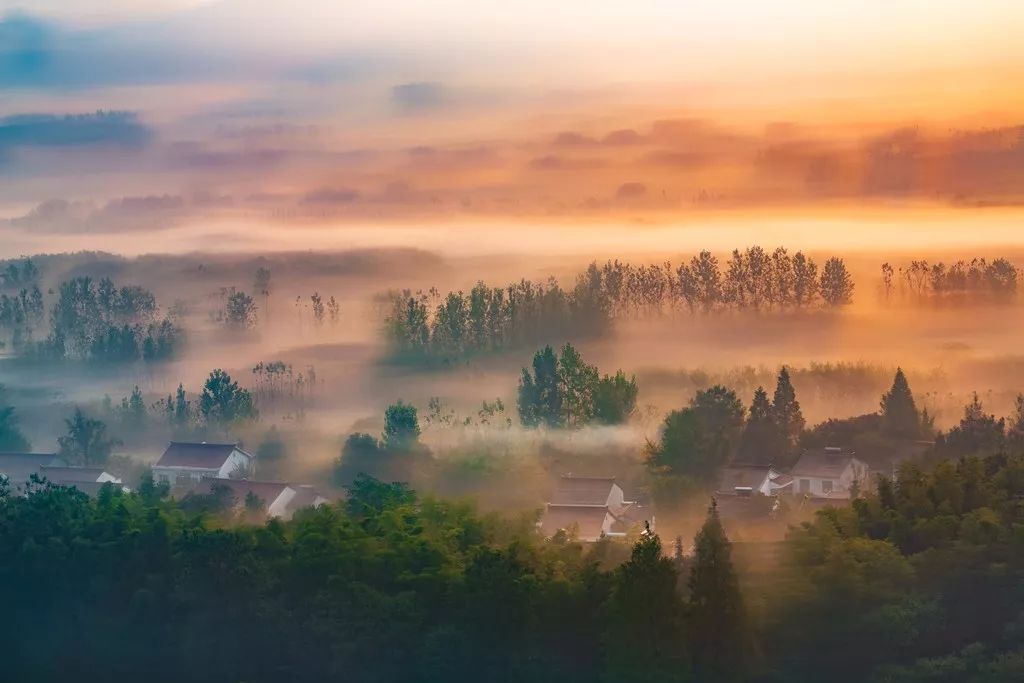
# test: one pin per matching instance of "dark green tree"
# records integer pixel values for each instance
(646, 638)
(222, 402)
(899, 413)
(700, 439)
(615, 399)
(539, 399)
(761, 442)
(401, 428)
(86, 442)
(786, 414)
(718, 628)
(11, 438)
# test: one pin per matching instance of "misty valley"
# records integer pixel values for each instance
(378, 465)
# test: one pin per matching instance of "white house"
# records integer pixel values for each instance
(747, 480)
(186, 462)
(829, 472)
(590, 507)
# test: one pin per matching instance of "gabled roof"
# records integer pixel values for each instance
(743, 476)
(61, 475)
(583, 490)
(267, 491)
(18, 467)
(200, 455)
(824, 462)
(588, 520)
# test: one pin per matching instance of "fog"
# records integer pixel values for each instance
(841, 361)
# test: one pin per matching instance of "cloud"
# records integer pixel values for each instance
(125, 214)
(631, 191)
(49, 130)
(411, 98)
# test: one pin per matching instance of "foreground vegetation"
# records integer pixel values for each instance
(917, 581)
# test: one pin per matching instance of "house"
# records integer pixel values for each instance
(748, 480)
(86, 479)
(278, 499)
(590, 507)
(17, 468)
(829, 472)
(185, 462)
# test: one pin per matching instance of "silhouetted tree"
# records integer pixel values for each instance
(899, 412)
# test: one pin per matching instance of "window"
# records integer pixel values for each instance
(826, 486)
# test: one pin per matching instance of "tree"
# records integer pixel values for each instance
(223, 402)
(786, 413)
(262, 286)
(401, 428)
(615, 399)
(899, 413)
(539, 399)
(762, 441)
(133, 409)
(700, 439)
(272, 449)
(11, 438)
(646, 636)
(836, 283)
(86, 442)
(240, 311)
(717, 617)
(978, 432)
(360, 454)
(577, 384)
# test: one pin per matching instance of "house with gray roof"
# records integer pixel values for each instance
(185, 461)
(829, 472)
(18, 468)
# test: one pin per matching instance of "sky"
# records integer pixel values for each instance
(141, 117)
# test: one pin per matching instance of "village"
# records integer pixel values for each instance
(583, 508)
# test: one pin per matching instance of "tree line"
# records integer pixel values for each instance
(961, 281)
(432, 325)
(93, 321)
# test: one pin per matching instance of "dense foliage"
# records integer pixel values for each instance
(562, 390)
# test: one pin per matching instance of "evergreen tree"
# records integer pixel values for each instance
(646, 637)
(719, 631)
(899, 413)
(761, 442)
(786, 414)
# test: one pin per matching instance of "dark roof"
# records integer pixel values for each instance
(588, 520)
(267, 491)
(18, 467)
(62, 475)
(823, 462)
(742, 476)
(583, 490)
(209, 456)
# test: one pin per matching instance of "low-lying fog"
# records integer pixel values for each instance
(841, 361)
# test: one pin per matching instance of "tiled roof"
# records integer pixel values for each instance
(827, 462)
(588, 520)
(209, 456)
(583, 490)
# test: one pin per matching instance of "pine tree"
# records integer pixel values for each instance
(761, 442)
(899, 413)
(786, 414)
(717, 617)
